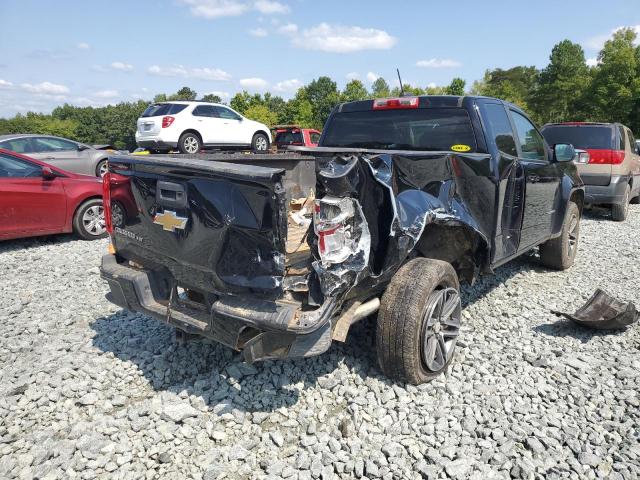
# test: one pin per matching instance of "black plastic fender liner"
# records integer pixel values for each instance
(603, 312)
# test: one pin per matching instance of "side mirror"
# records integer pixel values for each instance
(563, 152)
(82, 147)
(48, 174)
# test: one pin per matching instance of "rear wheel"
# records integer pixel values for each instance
(260, 143)
(189, 143)
(560, 252)
(88, 222)
(101, 168)
(419, 321)
(620, 210)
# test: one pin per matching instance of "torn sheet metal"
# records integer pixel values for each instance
(603, 312)
(400, 194)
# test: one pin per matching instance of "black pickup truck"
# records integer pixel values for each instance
(403, 198)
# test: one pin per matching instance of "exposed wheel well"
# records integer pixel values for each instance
(459, 245)
(191, 130)
(261, 131)
(577, 197)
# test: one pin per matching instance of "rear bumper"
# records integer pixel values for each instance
(609, 194)
(260, 329)
(155, 142)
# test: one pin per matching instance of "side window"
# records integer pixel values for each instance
(47, 144)
(315, 137)
(18, 145)
(621, 144)
(227, 114)
(531, 142)
(632, 141)
(17, 168)
(203, 111)
(500, 128)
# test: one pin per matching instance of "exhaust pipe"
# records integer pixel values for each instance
(353, 314)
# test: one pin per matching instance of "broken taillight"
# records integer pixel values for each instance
(341, 229)
(395, 103)
(167, 121)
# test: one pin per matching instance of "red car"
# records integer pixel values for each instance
(38, 199)
(286, 135)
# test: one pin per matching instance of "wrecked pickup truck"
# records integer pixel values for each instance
(407, 196)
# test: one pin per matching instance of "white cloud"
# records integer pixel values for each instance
(259, 32)
(83, 46)
(597, 42)
(438, 63)
(44, 88)
(254, 84)
(372, 77)
(107, 94)
(352, 75)
(122, 67)
(211, 9)
(205, 73)
(592, 62)
(288, 29)
(222, 95)
(5, 84)
(269, 7)
(343, 39)
(431, 85)
(288, 86)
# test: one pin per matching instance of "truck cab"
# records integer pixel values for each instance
(409, 196)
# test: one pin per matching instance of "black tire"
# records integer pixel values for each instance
(620, 210)
(403, 329)
(101, 168)
(635, 200)
(559, 253)
(260, 143)
(83, 227)
(189, 143)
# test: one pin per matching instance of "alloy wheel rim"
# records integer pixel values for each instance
(191, 144)
(93, 220)
(440, 328)
(103, 169)
(261, 143)
(117, 215)
(573, 234)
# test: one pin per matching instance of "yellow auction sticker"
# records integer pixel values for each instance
(460, 148)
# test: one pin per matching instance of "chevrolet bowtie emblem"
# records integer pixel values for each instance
(170, 221)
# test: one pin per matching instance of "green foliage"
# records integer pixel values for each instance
(456, 87)
(323, 95)
(354, 90)
(210, 97)
(38, 123)
(514, 85)
(261, 113)
(185, 93)
(380, 88)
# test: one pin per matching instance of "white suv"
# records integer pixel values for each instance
(192, 126)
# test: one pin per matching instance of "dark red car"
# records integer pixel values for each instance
(39, 199)
(285, 135)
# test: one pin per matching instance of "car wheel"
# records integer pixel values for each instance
(620, 210)
(559, 253)
(88, 221)
(101, 168)
(117, 215)
(419, 321)
(189, 143)
(260, 143)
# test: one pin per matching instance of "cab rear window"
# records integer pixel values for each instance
(596, 137)
(287, 138)
(159, 109)
(428, 129)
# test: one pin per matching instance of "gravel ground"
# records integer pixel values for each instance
(88, 390)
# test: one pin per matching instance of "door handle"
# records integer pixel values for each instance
(49, 158)
(533, 178)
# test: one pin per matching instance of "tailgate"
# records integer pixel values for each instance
(149, 126)
(215, 226)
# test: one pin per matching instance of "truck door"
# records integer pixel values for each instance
(542, 181)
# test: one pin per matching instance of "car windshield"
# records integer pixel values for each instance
(158, 109)
(594, 137)
(429, 129)
(288, 137)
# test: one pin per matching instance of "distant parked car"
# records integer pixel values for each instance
(612, 174)
(40, 199)
(63, 153)
(193, 126)
(286, 135)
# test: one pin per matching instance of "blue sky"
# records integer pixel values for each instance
(93, 53)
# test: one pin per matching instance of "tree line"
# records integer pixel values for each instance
(567, 89)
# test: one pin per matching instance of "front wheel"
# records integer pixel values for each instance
(88, 222)
(260, 143)
(419, 321)
(101, 168)
(560, 252)
(189, 143)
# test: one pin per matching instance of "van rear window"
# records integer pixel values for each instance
(428, 129)
(159, 109)
(594, 137)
